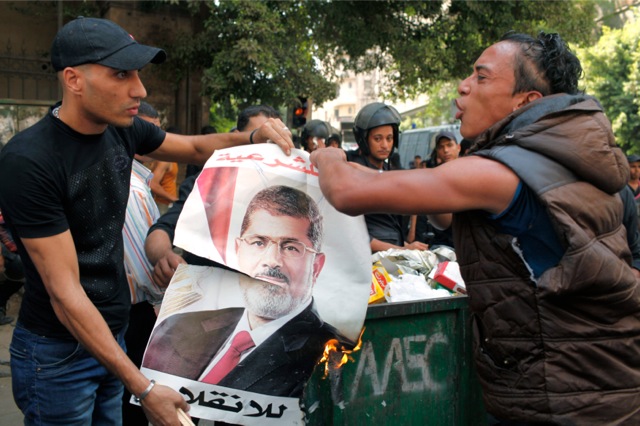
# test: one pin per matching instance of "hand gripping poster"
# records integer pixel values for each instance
(241, 342)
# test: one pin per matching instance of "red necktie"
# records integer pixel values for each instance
(240, 343)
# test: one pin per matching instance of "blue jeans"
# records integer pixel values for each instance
(57, 382)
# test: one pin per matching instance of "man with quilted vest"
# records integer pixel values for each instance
(537, 224)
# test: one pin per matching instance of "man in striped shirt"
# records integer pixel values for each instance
(142, 212)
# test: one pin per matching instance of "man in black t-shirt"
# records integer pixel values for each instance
(64, 184)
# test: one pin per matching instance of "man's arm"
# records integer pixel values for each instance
(57, 263)
(411, 234)
(465, 184)
(441, 221)
(197, 149)
(377, 245)
(159, 170)
(165, 261)
(159, 243)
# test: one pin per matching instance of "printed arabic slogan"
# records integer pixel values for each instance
(241, 343)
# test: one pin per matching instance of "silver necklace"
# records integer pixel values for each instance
(56, 112)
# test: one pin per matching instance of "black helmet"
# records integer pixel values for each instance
(375, 115)
(334, 137)
(315, 128)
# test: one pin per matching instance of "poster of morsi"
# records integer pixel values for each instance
(241, 342)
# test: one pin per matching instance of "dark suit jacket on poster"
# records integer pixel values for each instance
(184, 345)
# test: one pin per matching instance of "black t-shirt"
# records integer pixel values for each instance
(381, 226)
(53, 179)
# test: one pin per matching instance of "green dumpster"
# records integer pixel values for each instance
(415, 367)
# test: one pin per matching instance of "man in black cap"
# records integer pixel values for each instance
(447, 147)
(67, 212)
(634, 182)
(634, 174)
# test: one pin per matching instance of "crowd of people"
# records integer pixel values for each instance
(540, 210)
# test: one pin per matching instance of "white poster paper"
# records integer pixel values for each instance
(304, 279)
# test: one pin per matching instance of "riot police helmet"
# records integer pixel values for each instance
(375, 115)
(316, 129)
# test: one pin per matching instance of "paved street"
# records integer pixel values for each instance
(9, 413)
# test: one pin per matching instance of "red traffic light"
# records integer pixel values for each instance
(300, 110)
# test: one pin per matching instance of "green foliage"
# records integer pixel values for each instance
(220, 118)
(438, 110)
(421, 43)
(273, 51)
(612, 75)
(251, 53)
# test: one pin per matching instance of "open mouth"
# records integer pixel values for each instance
(459, 112)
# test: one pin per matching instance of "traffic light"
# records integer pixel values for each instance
(300, 112)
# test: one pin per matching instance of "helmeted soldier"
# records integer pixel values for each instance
(314, 135)
(377, 131)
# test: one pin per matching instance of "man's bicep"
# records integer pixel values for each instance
(472, 183)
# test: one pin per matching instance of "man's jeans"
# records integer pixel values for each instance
(57, 382)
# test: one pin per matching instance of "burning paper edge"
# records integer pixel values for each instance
(334, 358)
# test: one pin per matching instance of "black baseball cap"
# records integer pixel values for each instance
(100, 41)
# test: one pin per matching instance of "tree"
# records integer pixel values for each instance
(612, 75)
(421, 43)
(274, 51)
(253, 52)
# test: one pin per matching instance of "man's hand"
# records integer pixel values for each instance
(165, 267)
(327, 155)
(274, 130)
(416, 245)
(159, 250)
(161, 406)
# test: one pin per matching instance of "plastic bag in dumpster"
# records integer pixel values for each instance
(408, 287)
(444, 253)
(407, 261)
(411, 274)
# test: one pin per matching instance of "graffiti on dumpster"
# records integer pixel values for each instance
(401, 359)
